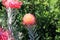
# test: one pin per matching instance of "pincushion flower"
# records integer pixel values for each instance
(29, 19)
(12, 3)
(3, 34)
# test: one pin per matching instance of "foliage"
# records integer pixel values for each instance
(47, 13)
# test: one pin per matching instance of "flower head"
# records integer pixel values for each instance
(3, 34)
(29, 19)
(12, 3)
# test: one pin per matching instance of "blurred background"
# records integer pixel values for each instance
(47, 13)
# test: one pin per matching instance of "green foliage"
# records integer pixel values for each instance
(47, 13)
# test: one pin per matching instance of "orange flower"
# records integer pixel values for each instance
(28, 19)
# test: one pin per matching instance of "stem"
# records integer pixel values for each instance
(9, 21)
(33, 35)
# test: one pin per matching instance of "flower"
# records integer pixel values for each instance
(3, 34)
(29, 19)
(12, 3)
